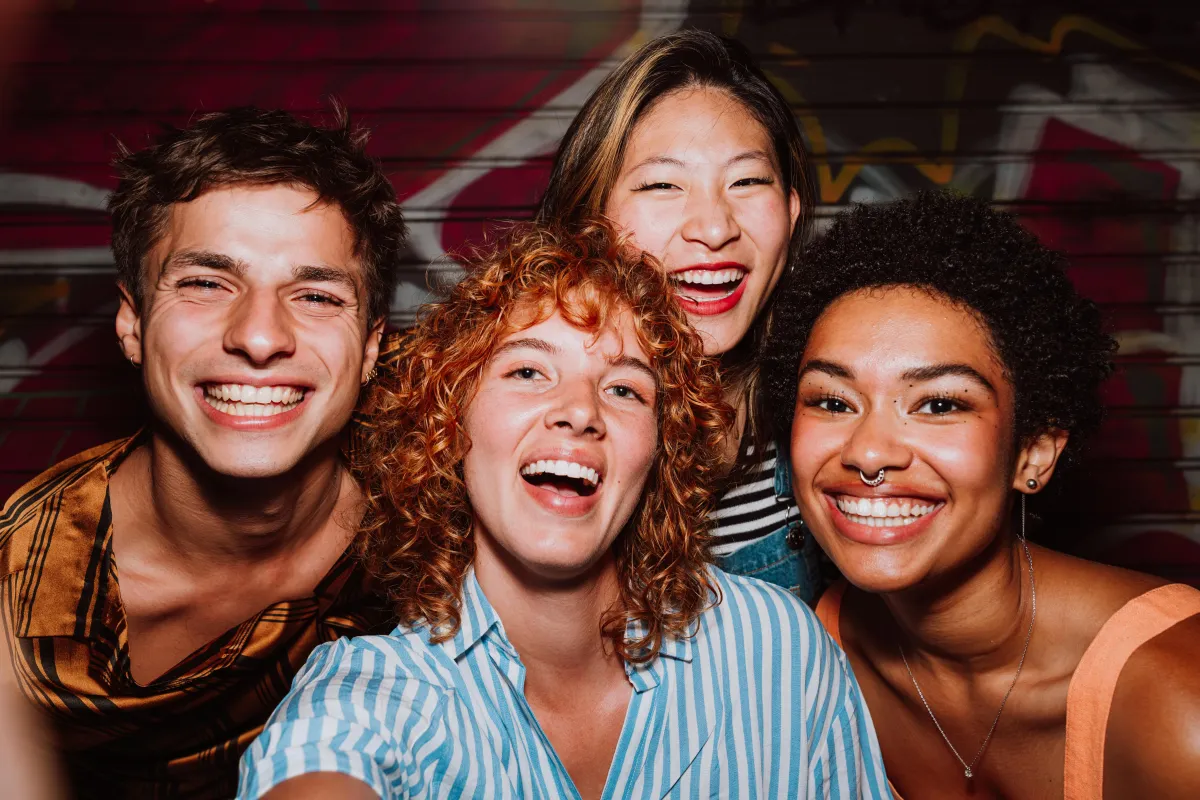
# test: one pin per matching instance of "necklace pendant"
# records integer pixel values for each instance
(968, 773)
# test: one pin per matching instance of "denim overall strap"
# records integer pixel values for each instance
(785, 556)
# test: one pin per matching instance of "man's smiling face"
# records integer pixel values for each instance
(253, 333)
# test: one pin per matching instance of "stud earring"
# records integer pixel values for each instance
(1031, 483)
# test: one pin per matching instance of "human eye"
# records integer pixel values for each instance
(941, 405)
(625, 391)
(762, 180)
(524, 373)
(203, 284)
(650, 186)
(320, 298)
(830, 403)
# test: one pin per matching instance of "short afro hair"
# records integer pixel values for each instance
(1049, 339)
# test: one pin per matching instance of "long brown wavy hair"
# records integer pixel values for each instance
(590, 155)
(418, 528)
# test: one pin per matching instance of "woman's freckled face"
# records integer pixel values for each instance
(700, 189)
(920, 392)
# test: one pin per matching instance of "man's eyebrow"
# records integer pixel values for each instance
(632, 362)
(536, 344)
(205, 259)
(317, 273)
(829, 368)
(935, 371)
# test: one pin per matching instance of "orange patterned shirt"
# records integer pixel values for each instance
(180, 736)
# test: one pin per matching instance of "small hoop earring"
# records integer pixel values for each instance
(1031, 483)
(878, 479)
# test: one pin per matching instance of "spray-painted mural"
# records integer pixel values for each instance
(1087, 127)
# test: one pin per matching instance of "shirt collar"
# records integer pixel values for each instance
(478, 618)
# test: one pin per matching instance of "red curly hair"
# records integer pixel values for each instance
(418, 528)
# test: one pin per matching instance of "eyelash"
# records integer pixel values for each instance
(201, 283)
(763, 181)
(636, 395)
(817, 401)
(632, 391)
(958, 404)
(322, 298)
(644, 187)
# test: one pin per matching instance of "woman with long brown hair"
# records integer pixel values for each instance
(692, 152)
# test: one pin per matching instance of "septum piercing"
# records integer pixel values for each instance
(878, 479)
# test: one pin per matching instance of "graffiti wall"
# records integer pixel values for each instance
(1088, 126)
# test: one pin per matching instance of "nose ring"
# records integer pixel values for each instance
(878, 479)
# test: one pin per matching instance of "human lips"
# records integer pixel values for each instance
(257, 406)
(566, 484)
(246, 400)
(710, 289)
(887, 516)
(884, 512)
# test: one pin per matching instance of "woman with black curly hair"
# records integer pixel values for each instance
(936, 367)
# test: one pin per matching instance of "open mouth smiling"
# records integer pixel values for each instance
(566, 478)
(885, 512)
(244, 400)
(708, 285)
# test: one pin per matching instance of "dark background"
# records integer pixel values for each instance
(1083, 117)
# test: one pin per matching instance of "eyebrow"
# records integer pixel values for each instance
(623, 360)
(203, 258)
(325, 274)
(665, 160)
(935, 371)
(207, 259)
(749, 155)
(828, 368)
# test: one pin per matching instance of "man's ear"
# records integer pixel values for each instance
(1037, 460)
(129, 326)
(371, 348)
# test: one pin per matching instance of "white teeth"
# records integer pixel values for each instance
(254, 395)
(568, 469)
(883, 513)
(238, 409)
(707, 277)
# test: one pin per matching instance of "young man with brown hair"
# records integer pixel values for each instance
(160, 592)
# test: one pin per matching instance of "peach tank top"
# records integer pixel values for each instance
(1089, 696)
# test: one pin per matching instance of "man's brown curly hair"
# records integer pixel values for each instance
(418, 528)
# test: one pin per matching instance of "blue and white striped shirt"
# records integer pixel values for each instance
(759, 703)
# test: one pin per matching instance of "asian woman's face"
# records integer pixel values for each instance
(902, 380)
(563, 432)
(700, 189)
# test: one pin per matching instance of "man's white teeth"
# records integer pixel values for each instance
(568, 469)
(884, 513)
(707, 276)
(243, 393)
(243, 400)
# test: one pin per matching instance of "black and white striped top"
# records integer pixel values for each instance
(751, 510)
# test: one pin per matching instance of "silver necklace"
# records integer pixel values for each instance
(968, 769)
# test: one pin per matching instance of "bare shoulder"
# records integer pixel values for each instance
(322, 784)
(1153, 742)
(1080, 596)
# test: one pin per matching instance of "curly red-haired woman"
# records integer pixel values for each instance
(542, 465)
